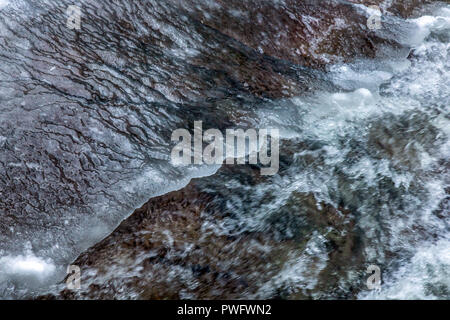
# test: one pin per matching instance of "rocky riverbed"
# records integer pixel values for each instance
(86, 123)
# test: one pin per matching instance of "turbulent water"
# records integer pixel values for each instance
(382, 149)
(86, 119)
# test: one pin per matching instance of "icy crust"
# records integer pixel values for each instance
(26, 270)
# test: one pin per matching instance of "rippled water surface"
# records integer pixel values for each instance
(86, 118)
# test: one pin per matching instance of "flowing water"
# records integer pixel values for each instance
(86, 119)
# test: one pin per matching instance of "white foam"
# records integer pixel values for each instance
(28, 269)
(427, 24)
(3, 3)
(423, 277)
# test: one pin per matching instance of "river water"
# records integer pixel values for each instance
(86, 119)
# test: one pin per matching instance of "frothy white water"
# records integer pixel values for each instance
(408, 100)
(425, 276)
(26, 271)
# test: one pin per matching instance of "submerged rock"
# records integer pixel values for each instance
(308, 33)
(172, 248)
